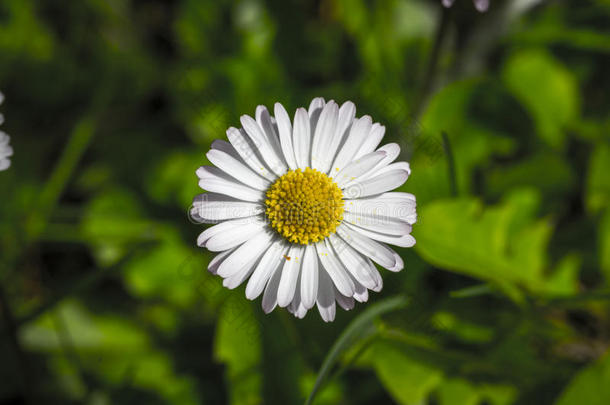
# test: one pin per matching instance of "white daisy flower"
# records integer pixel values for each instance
(481, 5)
(304, 208)
(5, 148)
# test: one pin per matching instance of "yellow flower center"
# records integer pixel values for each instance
(304, 206)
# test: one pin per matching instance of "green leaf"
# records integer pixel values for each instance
(458, 392)
(238, 345)
(351, 335)
(590, 386)
(598, 181)
(501, 244)
(406, 379)
(546, 89)
(169, 270)
(113, 220)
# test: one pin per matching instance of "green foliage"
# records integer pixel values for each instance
(111, 106)
(502, 244)
(589, 386)
(546, 89)
(598, 181)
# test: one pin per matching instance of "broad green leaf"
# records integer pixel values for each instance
(598, 181)
(504, 244)
(501, 244)
(590, 386)
(238, 346)
(564, 280)
(497, 394)
(546, 89)
(458, 392)
(406, 379)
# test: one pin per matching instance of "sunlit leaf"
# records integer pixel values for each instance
(458, 392)
(590, 386)
(407, 380)
(598, 181)
(547, 89)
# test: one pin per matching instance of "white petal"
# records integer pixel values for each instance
(236, 279)
(301, 311)
(394, 166)
(290, 275)
(226, 147)
(361, 293)
(371, 141)
(344, 122)
(270, 157)
(326, 297)
(233, 237)
(268, 126)
(481, 5)
(231, 226)
(296, 307)
(344, 302)
(359, 130)
(376, 185)
(359, 266)
(217, 260)
(215, 180)
(379, 253)
(213, 208)
(314, 111)
(245, 254)
(270, 294)
(246, 149)
(285, 130)
(309, 277)
(397, 205)
(334, 268)
(323, 135)
(392, 151)
(236, 169)
(378, 223)
(397, 240)
(271, 261)
(359, 167)
(301, 138)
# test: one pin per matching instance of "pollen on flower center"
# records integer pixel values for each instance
(304, 206)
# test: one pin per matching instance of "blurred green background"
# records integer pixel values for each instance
(112, 104)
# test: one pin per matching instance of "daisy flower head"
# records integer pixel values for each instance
(303, 209)
(480, 5)
(5, 149)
